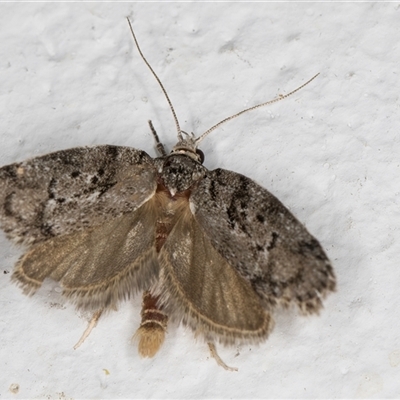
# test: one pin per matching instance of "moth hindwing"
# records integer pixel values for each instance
(211, 249)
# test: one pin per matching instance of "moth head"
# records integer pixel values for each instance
(180, 171)
(188, 146)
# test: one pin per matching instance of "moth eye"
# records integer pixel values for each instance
(201, 155)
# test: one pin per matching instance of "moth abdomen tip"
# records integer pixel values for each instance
(150, 337)
(151, 333)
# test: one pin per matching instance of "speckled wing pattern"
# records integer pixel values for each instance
(84, 216)
(259, 237)
(71, 190)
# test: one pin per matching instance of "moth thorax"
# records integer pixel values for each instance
(180, 172)
(151, 333)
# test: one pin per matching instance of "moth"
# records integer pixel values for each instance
(211, 249)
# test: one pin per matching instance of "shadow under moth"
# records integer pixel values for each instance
(211, 249)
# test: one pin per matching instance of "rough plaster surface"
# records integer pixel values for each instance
(70, 76)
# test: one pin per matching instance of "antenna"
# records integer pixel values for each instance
(279, 98)
(178, 128)
(206, 133)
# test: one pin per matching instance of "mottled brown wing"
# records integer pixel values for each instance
(254, 232)
(99, 266)
(88, 219)
(72, 190)
(198, 286)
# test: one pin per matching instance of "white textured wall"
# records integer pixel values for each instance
(70, 76)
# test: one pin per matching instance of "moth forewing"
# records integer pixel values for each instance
(259, 237)
(72, 190)
(211, 249)
(79, 254)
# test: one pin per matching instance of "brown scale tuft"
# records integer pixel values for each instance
(151, 333)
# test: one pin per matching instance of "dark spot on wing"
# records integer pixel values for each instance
(141, 156)
(312, 247)
(260, 218)
(212, 190)
(104, 188)
(51, 188)
(112, 152)
(10, 171)
(46, 229)
(7, 205)
(273, 241)
(238, 207)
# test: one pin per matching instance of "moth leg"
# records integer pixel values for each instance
(159, 146)
(92, 324)
(151, 332)
(218, 359)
